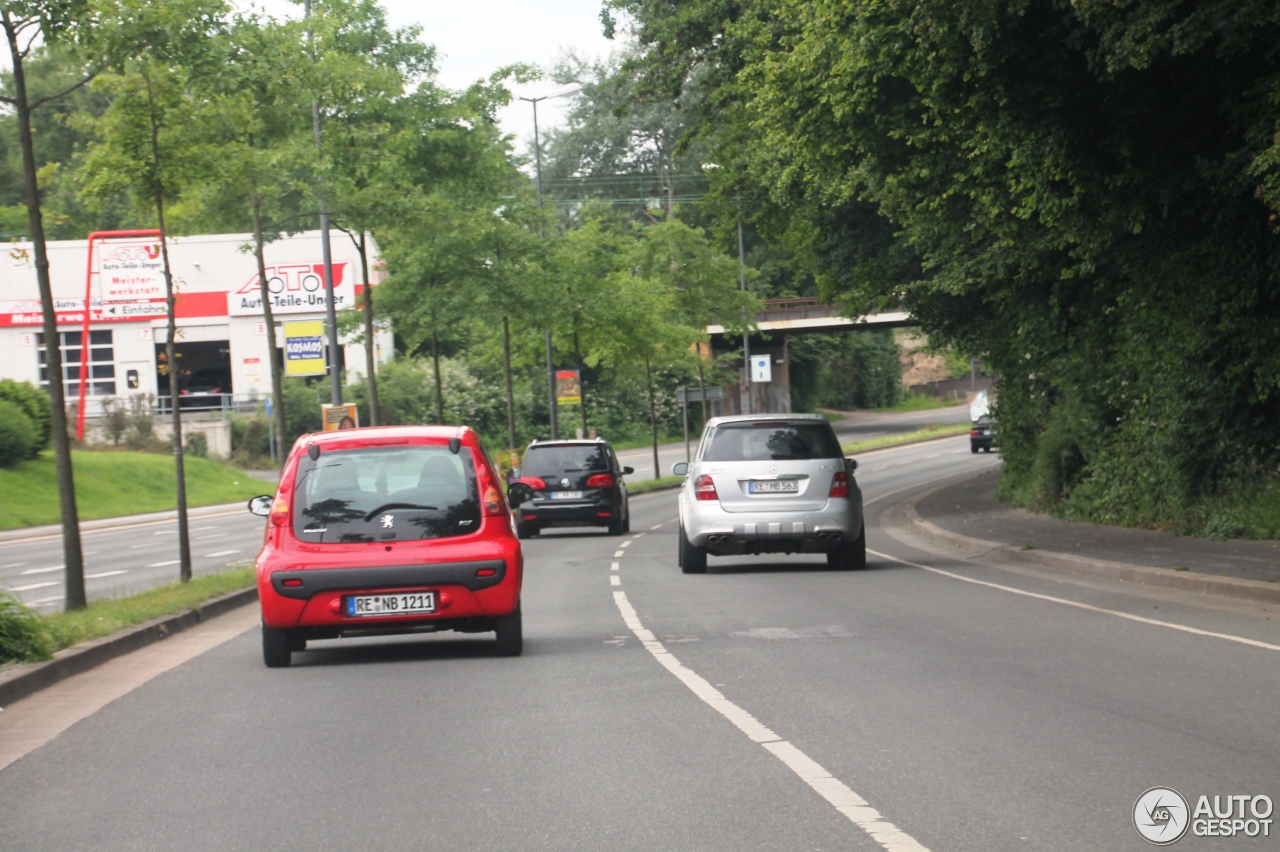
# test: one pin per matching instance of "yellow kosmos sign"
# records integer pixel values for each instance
(304, 349)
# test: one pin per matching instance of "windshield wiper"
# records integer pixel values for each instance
(369, 517)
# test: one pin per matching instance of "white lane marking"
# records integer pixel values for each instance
(49, 601)
(48, 570)
(618, 555)
(164, 564)
(1089, 607)
(32, 586)
(615, 580)
(220, 553)
(90, 553)
(626, 543)
(207, 537)
(12, 565)
(655, 527)
(613, 566)
(104, 574)
(203, 529)
(164, 532)
(150, 544)
(934, 456)
(841, 797)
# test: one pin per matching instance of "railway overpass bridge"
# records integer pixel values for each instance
(779, 319)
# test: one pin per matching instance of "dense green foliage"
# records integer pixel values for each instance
(17, 434)
(1082, 193)
(844, 371)
(24, 637)
(34, 403)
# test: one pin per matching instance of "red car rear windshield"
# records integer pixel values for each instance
(383, 494)
(766, 441)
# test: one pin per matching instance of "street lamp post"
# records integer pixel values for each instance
(537, 159)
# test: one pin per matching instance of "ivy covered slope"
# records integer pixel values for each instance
(1084, 193)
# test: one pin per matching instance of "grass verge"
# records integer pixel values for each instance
(102, 618)
(930, 433)
(654, 484)
(921, 403)
(109, 484)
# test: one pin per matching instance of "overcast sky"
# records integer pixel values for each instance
(473, 38)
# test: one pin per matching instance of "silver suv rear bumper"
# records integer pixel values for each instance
(708, 525)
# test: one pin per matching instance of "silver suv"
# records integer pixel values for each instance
(770, 483)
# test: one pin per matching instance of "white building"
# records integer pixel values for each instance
(222, 340)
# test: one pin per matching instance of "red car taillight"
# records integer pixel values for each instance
(279, 512)
(600, 480)
(973, 432)
(704, 488)
(534, 482)
(839, 485)
(493, 504)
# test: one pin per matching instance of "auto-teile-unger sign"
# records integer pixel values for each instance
(304, 348)
(295, 288)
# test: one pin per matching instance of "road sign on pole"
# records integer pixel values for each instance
(761, 368)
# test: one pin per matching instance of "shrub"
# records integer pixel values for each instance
(23, 635)
(34, 402)
(141, 434)
(17, 434)
(115, 419)
(250, 440)
(196, 444)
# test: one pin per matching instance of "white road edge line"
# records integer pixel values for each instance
(1088, 607)
(104, 574)
(856, 809)
(43, 570)
(220, 553)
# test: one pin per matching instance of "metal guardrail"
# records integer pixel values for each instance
(220, 405)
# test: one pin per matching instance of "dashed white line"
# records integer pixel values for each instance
(207, 537)
(220, 553)
(1090, 608)
(626, 543)
(164, 532)
(31, 586)
(613, 566)
(164, 564)
(12, 565)
(151, 544)
(619, 554)
(203, 529)
(655, 526)
(855, 808)
(615, 580)
(48, 570)
(102, 574)
(49, 601)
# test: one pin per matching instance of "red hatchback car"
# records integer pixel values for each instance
(397, 529)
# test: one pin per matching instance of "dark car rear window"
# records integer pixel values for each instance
(381, 494)
(564, 458)
(772, 441)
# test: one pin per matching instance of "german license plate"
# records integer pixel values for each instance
(773, 486)
(409, 603)
(566, 495)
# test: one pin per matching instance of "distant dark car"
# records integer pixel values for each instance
(204, 388)
(575, 483)
(983, 435)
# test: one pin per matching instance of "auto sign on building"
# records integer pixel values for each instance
(223, 341)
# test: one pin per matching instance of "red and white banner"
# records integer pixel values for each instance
(71, 312)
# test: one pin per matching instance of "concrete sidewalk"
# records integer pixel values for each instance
(967, 516)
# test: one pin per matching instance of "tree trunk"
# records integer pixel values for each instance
(268, 318)
(702, 386)
(371, 366)
(653, 418)
(73, 555)
(175, 375)
(506, 366)
(435, 360)
(582, 383)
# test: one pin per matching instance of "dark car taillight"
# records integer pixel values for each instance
(704, 488)
(534, 482)
(600, 480)
(973, 432)
(839, 485)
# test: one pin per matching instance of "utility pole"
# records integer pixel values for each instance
(542, 233)
(331, 310)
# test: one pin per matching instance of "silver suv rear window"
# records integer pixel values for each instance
(765, 441)
(385, 494)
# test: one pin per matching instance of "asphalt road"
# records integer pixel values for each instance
(769, 704)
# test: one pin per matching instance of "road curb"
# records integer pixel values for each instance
(1146, 575)
(23, 680)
